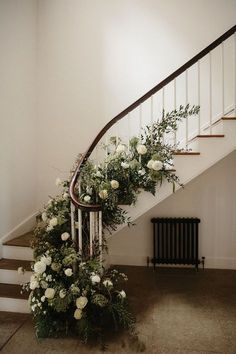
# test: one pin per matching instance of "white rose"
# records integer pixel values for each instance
(150, 163)
(114, 184)
(142, 150)
(44, 216)
(43, 298)
(142, 172)
(65, 236)
(125, 165)
(120, 148)
(87, 198)
(103, 194)
(53, 222)
(49, 293)
(47, 260)
(107, 283)
(20, 271)
(34, 284)
(44, 284)
(39, 267)
(68, 272)
(122, 294)
(78, 314)
(157, 165)
(81, 302)
(95, 279)
(58, 182)
(62, 293)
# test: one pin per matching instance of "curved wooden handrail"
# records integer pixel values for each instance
(134, 105)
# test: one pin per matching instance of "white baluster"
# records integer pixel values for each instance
(72, 217)
(199, 94)
(163, 109)
(210, 91)
(175, 132)
(140, 119)
(100, 234)
(234, 73)
(223, 78)
(91, 232)
(80, 231)
(186, 120)
(152, 119)
(129, 131)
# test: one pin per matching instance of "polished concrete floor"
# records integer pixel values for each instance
(178, 311)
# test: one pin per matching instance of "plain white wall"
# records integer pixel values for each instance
(17, 112)
(211, 197)
(97, 56)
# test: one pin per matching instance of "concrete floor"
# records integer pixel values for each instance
(178, 311)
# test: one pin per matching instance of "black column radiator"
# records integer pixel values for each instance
(175, 241)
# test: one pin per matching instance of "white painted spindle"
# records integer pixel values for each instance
(152, 119)
(199, 94)
(91, 232)
(210, 91)
(175, 132)
(80, 231)
(140, 119)
(72, 216)
(129, 131)
(223, 78)
(186, 120)
(100, 234)
(234, 58)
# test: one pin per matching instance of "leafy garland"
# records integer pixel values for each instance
(71, 295)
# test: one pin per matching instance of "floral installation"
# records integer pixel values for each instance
(70, 294)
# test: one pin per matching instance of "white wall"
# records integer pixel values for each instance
(211, 197)
(98, 56)
(17, 112)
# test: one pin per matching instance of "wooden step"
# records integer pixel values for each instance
(193, 153)
(21, 241)
(14, 264)
(211, 136)
(12, 291)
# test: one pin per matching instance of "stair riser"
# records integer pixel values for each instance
(15, 252)
(14, 305)
(12, 277)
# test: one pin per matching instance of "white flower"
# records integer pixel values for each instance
(107, 283)
(125, 165)
(81, 302)
(87, 198)
(39, 267)
(98, 174)
(49, 202)
(43, 298)
(157, 165)
(49, 228)
(58, 182)
(20, 271)
(150, 163)
(78, 314)
(44, 216)
(68, 272)
(114, 184)
(142, 172)
(44, 284)
(53, 222)
(120, 148)
(62, 293)
(66, 195)
(49, 293)
(47, 260)
(142, 150)
(122, 294)
(103, 194)
(95, 279)
(34, 284)
(65, 236)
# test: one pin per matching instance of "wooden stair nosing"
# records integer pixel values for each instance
(12, 291)
(211, 136)
(14, 264)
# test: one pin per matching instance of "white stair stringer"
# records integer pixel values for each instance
(188, 167)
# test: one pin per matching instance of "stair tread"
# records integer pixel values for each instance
(22, 241)
(12, 291)
(186, 153)
(14, 264)
(211, 136)
(228, 118)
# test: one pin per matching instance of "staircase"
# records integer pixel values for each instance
(203, 142)
(16, 253)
